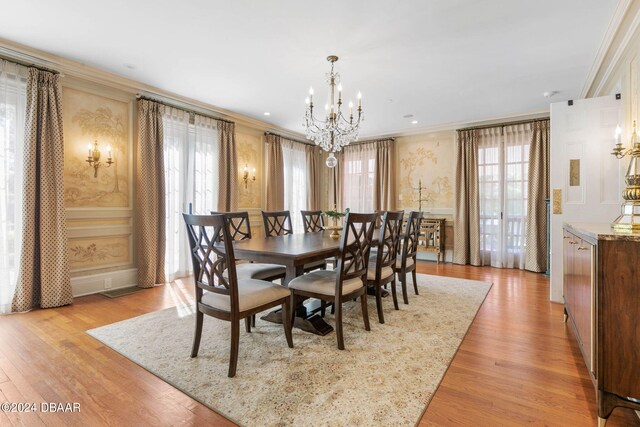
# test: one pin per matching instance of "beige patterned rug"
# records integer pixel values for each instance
(384, 377)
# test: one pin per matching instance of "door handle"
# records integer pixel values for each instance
(580, 248)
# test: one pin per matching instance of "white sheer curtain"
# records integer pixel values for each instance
(13, 88)
(296, 177)
(191, 152)
(503, 164)
(203, 187)
(175, 125)
(358, 175)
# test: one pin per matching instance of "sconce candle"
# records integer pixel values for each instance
(245, 175)
(94, 158)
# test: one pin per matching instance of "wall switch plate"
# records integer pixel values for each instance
(107, 283)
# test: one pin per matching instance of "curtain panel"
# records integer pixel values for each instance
(296, 180)
(228, 167)
(314, 170)
(538, 190)
(385, 179)
(43, 280)
(13, 100)
(358, 178)
(466, 233)
(150, 195)
(275, 173)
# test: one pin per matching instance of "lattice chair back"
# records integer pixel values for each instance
(211, 248)
(277, 223)
(412, 235)
(355, 246)
(389, 239)
(312, 221)
(239, 225)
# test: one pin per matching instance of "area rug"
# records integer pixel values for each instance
(384, 377)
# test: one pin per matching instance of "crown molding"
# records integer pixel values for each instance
(606, 44)
(450, 127)
(67, 67)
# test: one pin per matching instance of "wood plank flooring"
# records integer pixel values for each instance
(517, 365)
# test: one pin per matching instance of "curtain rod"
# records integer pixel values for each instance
(314, 145)
(301, 141)
(501, 125)
(139, 96)
(28, 65)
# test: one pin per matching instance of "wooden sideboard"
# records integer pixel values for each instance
(432, 236)
(602, 305)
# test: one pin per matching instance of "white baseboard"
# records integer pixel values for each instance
(92, 284)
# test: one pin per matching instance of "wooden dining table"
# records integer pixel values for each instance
(293, 251)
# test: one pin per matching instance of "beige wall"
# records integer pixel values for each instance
(99, 209)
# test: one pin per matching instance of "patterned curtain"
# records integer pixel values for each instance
(275, 173)
(150, 202)
(334, 198)
(313, 170)
(385, 180)
(43, 280)
(538, 189)
(466, 232)
(227, 167)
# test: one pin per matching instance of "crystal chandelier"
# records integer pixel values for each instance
(336, 130)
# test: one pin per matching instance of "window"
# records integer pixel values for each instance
(191, 155)
(296, 181)
(358, 177)
(13, 88)
(503, 169)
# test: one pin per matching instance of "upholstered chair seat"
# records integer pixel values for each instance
(323, 282)
(371, 270)
(260, 271)
(251, 294)
(410, 262)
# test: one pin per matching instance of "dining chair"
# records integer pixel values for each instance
(312, 221)
(277, 223)
(381, 264)
(240, 229)
(406, 262)
(228, 297)
(349, 280)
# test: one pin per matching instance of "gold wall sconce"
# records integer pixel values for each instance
(94, 157)
(245, 176)
(629, 218)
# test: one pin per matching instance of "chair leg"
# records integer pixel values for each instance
(333, 308)
(323, 308)
(286, 321)
(365, 311)
(292, 312)
(247, 324)
(395, 295)
(198, 334)
(415, 281)
(253, 320)
(338, 305)
(379, 303)
(235, 343)
(403, 282)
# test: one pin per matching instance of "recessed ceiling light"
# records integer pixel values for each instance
(407, 116)
(414, 122)
(266, 113)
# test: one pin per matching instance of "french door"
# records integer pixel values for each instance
(503, 170)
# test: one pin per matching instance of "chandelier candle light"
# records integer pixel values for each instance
(337, 130)
(629, 218)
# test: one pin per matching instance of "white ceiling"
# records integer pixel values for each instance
(444, 61)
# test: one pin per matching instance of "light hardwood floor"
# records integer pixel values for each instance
(517, 365)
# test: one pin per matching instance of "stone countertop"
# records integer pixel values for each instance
(601, 231)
